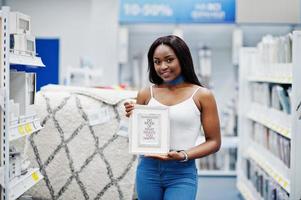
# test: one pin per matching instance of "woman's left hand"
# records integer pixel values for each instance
(173, 155)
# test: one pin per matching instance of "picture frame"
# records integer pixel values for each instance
(149, 130)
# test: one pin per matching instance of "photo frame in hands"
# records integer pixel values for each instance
(149, 130)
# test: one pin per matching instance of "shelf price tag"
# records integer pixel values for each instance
(28, 128)
(285, 184)
(35, 176)
(21, 130)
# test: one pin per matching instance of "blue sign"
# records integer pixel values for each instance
(177, 11)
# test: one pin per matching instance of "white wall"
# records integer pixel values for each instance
(268, 11)
(84, 27)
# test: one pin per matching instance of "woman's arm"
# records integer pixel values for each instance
(211, 127)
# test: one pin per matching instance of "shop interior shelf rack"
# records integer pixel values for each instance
(228, 142)
(285, 125)
(13, 188)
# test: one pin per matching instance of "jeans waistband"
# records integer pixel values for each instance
(172, 164)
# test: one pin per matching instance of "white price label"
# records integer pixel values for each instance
(99, 116)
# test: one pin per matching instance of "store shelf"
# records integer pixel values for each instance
(275, 162)
(2, 94)
(227, 141)
(268, 165)
(216, 173)
(12, 126)
(288, 125)
(25, 60)
(276, 120)
(21, 184)
(282, 80)
(1, 175)
(273, 73)
(247, 190)
(27, 127)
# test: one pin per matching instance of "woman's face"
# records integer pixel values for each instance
(166, 63)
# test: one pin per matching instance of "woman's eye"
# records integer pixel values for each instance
(156, 62)
(169, 60)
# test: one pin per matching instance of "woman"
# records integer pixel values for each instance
(176, 86)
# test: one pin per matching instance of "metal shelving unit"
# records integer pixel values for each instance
(217, 173)
(29, 126)
(25, 60)
(275, 73)
(276, 120)
(227, 143)
(13, 128)
(286, 125)
(247, 190)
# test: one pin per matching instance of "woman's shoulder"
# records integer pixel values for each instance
(145, 91)
(204, 94)
(144, 95)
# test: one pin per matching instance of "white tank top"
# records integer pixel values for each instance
(185, 122)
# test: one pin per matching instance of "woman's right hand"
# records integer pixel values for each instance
(129, 107)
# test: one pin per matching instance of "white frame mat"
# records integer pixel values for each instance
(153, 122)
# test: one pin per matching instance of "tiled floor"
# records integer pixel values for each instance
(218, 188)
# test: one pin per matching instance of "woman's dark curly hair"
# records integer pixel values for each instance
(183, 54)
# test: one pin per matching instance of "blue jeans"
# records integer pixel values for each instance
(166, 180)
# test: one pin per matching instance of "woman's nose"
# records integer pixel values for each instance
(163, 65)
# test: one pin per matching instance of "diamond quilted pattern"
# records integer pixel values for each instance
(42, 138)
(79, 161)
(83, 140)
(115, 152)
(69, 194)
(68, 115)
(95, 173)
(58, 177)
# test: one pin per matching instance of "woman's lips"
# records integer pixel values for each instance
(165, 74)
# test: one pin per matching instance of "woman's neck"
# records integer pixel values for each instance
(176, 81)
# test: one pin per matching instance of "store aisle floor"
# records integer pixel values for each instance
(218, 188)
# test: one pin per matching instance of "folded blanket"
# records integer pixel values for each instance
(77, 160)
(106, 95)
